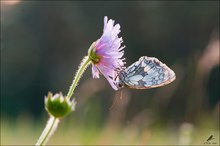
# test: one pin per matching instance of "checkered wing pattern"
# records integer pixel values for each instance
(147, 72)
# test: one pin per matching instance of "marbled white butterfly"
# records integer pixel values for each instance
(147, 72)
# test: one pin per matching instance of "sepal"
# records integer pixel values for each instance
(58, 106)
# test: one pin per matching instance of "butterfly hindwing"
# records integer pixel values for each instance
(147, 72)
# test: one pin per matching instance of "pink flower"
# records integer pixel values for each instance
(106, 53)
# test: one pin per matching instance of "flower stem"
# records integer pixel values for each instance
(48, 131)
(53, 122)
(85, 63)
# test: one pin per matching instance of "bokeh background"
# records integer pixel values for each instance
(43, 42)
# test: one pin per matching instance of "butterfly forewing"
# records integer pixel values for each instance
(147, 72)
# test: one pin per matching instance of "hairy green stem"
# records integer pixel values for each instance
(85, 63)
(48, 131)
(53, 122)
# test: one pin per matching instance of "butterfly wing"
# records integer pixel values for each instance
(148, 72)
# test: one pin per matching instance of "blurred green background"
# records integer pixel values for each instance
(42, 44)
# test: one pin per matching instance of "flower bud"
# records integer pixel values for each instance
(58, 106)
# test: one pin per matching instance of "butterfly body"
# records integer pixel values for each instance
(147, 72)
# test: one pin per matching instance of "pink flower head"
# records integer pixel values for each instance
(106, 53)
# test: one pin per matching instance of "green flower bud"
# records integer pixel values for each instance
(58, 106)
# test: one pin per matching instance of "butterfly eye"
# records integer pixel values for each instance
(120, 85)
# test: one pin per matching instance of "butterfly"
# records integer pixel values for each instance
(147, 72)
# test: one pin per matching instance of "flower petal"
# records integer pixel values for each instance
(108, 48)
(95, 71)
(111, 83)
